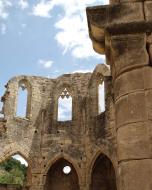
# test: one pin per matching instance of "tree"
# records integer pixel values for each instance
(12, 172)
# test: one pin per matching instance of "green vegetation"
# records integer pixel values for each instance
(12, 172)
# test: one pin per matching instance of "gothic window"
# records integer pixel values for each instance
(22, 100)
(101, 98)
(65, 106)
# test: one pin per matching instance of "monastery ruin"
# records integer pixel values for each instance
(110, 150)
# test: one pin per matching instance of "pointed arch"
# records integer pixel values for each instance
(102, 172)
(50, 162)
(15, 149)
(9, 152)
(54, 170)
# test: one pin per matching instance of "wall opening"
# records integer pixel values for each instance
(15, 172)
(103, 174)
(66, 170)
(65, 106)
(62, 176)
(22, 100)
(101, 97)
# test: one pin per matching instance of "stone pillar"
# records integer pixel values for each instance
(123, 32)
(132, 92)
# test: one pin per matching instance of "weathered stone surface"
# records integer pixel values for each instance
(43, 140)
(124, 35)
(136, 174)
(111, 150)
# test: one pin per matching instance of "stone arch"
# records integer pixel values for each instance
(10, 151)
(57, 160)
(57, 157)
(93, 162)
(95, 156)
(25, 81)
(13, 148)
(101, 69)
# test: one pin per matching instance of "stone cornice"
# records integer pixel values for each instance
(115, 19)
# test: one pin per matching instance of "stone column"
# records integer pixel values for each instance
(132, 94)
(123, 32)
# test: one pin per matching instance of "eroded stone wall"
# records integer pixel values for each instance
(43, 140)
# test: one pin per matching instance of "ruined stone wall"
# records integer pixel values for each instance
(42, 140)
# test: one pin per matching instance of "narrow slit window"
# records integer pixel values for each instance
(22, 101)
(101, 98)
(65, 106)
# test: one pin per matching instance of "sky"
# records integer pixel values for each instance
(45, 38)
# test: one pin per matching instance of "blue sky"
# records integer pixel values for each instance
(45, 38)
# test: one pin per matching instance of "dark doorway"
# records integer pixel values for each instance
(62, 176)
(103, 174)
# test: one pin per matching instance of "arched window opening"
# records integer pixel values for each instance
(62, 176)
(101, 98)
(103, 174)
(65, 106)
(14, 171)
(22, 101)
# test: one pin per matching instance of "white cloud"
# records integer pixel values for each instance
(23, 4)
(4, 5)
(3, 29)
(42, 9)
(72, 28)
(65, 109)
(45, 63)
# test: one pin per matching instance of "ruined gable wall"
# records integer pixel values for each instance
(42, 140)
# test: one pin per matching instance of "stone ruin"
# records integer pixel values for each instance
(111, 150)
